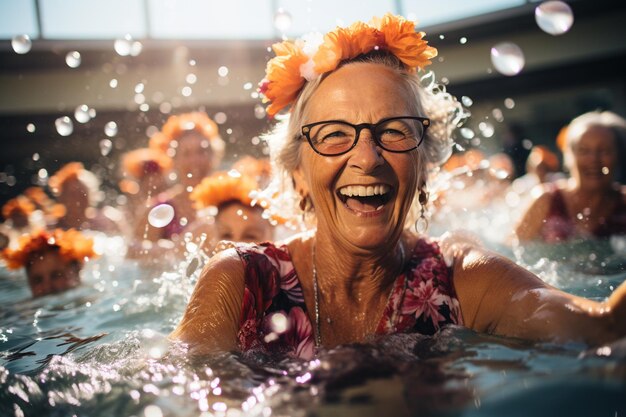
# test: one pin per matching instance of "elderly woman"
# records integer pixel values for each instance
(193, 142)
(357, 145)
(591, 203)
(52, 260)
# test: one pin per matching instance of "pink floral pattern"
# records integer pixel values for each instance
(274, 317)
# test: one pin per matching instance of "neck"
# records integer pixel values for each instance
(356, 274)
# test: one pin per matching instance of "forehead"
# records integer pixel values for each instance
(361, 92)
(595, 135)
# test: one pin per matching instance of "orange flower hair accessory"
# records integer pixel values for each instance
(18, 205)
(222, 187)
(144, 161)
(71, 244)
(177, 125)
(38, 196)
(297, 62)
(68, 172)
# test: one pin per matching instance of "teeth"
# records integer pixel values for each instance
(364, 191)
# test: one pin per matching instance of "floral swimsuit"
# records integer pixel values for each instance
(274, 315)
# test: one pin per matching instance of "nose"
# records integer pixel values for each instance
(366, 155)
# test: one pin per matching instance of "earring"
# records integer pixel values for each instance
(421, 224)
(304, 204)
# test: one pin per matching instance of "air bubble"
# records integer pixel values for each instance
(21, 44)
(64, 126)
(554, 17)
(161, 215)
(507, 58)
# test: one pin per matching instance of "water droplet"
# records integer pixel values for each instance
(467, 133)
(113, 83)
(234, 173)
(64, 126)
(123, 46)
(30, 127)
(220, 118)
(497, 114)
(247, 86)
(509, 103)
(463, 40)
(191, 78)
(222, 71)
(554, 17)
(507, 58)
(81, 114)
(442, 37)
(153, 411)
(467, 102)
(73, 59)
(161, 215)
(105, 146)
(42, 173)
(527, 144)
(110, 129)
(135, 48)
(486, 129)
(21, 44)
(279, 323)
(186, 91)
(605, 170)
(139, 88)
(282, 20)
(259, 111)
(36, 156)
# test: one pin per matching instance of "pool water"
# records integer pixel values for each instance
(100, 350)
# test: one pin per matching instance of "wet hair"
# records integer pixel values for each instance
(606, 119)
(431, 101)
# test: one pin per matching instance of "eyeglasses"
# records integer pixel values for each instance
(394, 134)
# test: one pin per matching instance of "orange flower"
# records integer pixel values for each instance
(285, 72)
(177, 125)
(283, 80)
(345, 43)
(71, 244)
(142, 161)
(401, 40)
(69, 171)
(18, 205)
(159, 142)
(222, 187)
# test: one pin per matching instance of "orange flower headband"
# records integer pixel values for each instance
(297, 62)
(72, 246)
(222, 187)
(177, 125)
(69, 171)
(142, 161)
(17, 205)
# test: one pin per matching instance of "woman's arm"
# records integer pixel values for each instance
(499, 297)
(211, 320)
(529, 227)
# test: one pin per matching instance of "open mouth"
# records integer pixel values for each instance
(365, 198)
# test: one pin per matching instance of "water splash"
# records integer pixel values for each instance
(554, 17)
(161, 215)
(64, 126)
(73, 59)
(21, 44)
(507, 58)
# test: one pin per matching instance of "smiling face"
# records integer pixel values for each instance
(362, 197)
(48, 273)
(594, 158)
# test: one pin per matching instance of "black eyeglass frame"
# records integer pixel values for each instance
(306, 131)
